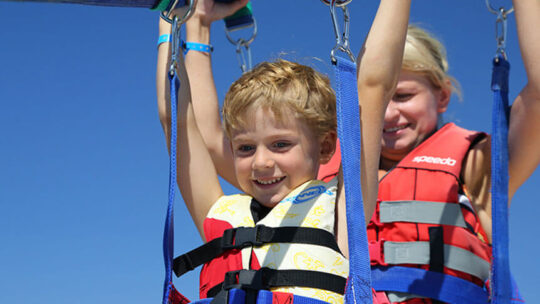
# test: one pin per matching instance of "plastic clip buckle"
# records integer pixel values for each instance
(243, 279)
(376, 252)
(241, 237)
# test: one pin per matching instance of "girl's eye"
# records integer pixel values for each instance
(402, 96)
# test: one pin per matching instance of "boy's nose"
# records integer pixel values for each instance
(263, 159)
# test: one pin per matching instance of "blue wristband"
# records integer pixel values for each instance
(195, 46)
(163, 38)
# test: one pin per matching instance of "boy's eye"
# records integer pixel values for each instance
(245, 148)
(281, 144)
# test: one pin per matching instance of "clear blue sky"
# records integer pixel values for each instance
(83, 182)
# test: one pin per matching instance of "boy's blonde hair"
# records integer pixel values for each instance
(426, 55)
(282, 86)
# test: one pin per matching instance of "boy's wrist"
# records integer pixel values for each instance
(197, 31)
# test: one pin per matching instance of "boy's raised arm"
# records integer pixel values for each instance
(196, 174)
(203, 90)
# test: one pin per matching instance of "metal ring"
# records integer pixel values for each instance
(190, 10)
(338, 3)
(494, 11)
(241, 40)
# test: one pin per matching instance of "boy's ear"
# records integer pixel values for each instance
(327, 147)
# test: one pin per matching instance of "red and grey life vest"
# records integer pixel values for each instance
(424, 233)
(284, 254)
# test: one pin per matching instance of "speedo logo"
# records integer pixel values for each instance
(435, 160)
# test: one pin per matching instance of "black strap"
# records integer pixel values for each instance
(242, 237)
(436, 249)
(266, 278)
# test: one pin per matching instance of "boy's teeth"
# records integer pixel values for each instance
(268, 181)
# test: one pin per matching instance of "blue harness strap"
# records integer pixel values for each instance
(241, 18)
(359, 284)
(164, 4)
(168, 234)
(435, 285)
(501, 289)
(238, 296)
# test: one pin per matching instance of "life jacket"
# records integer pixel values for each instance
(425, 239)
(289, 250)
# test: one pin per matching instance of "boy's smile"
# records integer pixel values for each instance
(273, 157)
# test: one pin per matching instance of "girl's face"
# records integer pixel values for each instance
(411, 115)
(272, 158)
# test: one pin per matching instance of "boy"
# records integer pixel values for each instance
(279, 122)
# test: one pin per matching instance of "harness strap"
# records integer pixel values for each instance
(242, 237)
(501, 283)
(359, 285)
(425, 283)
(168, 234)
(266, 278)
(264, 297)
(240, 19)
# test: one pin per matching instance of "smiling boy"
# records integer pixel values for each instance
(279, 125)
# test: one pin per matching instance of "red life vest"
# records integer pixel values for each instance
(423, 219)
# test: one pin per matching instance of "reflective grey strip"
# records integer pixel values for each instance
(454, 257)
(422, 212)
(394, 296)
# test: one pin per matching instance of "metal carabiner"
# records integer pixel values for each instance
(190, 10)
(241, 54)
(342, 37)
(175, 44)
(243, 51)
(501, 26)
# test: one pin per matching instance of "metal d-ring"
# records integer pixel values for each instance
(497, 11)
(190, 10)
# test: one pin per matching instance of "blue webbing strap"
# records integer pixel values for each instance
(359, 284)
(238, 296)
(168, 234)
(435, 285)
(240, 19)
(120, 3)
(501, 288)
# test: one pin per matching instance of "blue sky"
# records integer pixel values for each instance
(83, 183)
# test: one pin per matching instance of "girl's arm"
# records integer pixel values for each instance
(196, 174)
(524, 135)
(379, 65)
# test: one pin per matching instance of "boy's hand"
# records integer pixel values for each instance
(209, 11)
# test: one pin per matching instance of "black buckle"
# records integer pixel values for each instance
(243, 279)
(242, 237)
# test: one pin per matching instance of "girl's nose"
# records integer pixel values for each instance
(392, 112)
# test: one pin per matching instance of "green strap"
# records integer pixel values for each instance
(246, 10)
(161, 5)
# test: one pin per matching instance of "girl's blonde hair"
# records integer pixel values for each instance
(282, 86)
(426, 55)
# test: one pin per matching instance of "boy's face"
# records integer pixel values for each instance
(273, 157)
